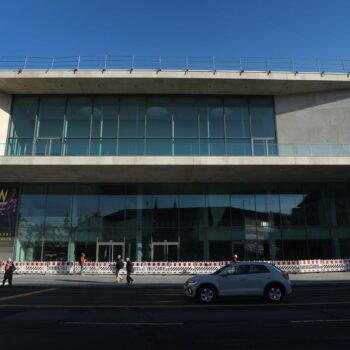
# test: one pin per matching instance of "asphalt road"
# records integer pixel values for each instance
(314, 317)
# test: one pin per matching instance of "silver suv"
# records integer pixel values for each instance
(240, 279)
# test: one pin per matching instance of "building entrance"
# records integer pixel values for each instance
(108, 251)
(165, 251)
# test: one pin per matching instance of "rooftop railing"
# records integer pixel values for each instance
(166, 147)
(174, 63)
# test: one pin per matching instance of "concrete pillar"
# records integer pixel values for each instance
(73, 230)
(139, 223)
(272, 248)
(71, 250)
(333, 223)
(19, 253)
(5, 109)
(29, 253)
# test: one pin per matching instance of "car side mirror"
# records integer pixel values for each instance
(224, 274)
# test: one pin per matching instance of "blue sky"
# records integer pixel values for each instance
(268, 28)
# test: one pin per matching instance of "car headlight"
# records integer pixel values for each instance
(191, 282)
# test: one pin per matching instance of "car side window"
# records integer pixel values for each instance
(258, 269)
(242, 269)
(230, 270)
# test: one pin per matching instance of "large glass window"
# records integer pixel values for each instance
(78, 120)
(142, 125)
(262, 117)
(211, 114)
(201, 221)
(132, 117)
(185, 118)
(78, 126)
(105, 117)
(218, 202)
(237, 117)
(51, 116)
(192, 208)
(49, 129)
(159, 117)
(104, 126)
(24, 116)
(31, 223)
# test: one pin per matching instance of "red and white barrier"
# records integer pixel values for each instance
(31, 267)
(290, 266)
(310, 266)
(172, 268)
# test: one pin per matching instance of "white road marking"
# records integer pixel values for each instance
(126, 323)
(321, 321)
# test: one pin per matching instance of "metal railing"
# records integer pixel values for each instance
(167, 147)
(176, 63)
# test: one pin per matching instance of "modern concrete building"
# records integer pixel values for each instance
(168, 165)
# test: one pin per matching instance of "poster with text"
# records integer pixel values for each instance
(8, 213)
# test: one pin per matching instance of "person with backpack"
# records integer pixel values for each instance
(9, 270)
(129, 271)
(119, 265)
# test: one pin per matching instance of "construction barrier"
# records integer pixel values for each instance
(171, 268)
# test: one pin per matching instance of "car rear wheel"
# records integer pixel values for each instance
(274, 293)
(206, 294)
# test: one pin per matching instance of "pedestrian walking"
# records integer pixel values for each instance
(119, 265)
(9, 270)
(129, 271)
(235, 258)
(82, 263)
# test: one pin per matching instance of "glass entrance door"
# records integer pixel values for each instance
(108, 251)
(165, 251)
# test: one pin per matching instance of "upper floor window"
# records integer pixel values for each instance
(141, 125)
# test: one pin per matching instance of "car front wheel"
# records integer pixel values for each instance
(207, 294)
(274, 293)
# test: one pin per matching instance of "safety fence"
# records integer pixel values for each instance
(177, 63)
(186, 267)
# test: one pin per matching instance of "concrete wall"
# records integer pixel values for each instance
(169, 82)
(5, 109)
(316, 118)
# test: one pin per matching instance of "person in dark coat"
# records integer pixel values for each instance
(9, 270)
(119, 265)
(129, 271)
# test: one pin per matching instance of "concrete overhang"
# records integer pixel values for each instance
(169, 82)
(173, 169)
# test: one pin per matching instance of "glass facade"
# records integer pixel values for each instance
(183, 222)
(142, 125)
(166, 222)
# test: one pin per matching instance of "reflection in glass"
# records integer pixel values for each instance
(132, 117)
(237, 117)
(105, 117)
(206, 221)
(262, 117)
(78, 119)
(185, 117)
(159, 117)
(133, 125)
(23, 116)
(51, 116)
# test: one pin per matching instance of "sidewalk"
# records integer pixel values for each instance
(157, 281)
